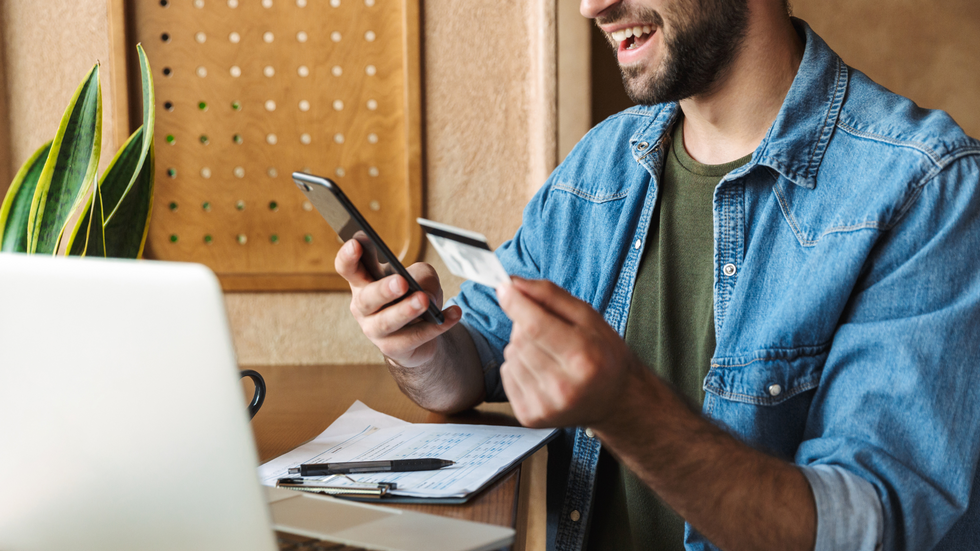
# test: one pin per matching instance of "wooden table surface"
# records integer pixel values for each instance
(301, 401)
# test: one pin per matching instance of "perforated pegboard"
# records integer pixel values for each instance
(249, 91)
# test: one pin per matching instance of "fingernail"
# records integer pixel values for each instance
(453, 314)
(394, 286)
(349, 248)
(416, 303)
(502, 291)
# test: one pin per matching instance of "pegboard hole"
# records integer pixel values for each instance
(165, 37)
(239, 172)
(240, 205)
(208, 239)
(339, 138)
(236, 105)
(268, 37)
(305, 139)
(370, 36)
(303, 71)
(205, 172)
(204, 139)
(373, 171)
(198, 4)
(201, 38)
(340, 172)
(269, 71)
(206, 206)
(273, 206)
(242, 239)
(237, 138)
(171, 139)
(301, 3)
(274, 239)
(372, 104)
(371, 70)
(168, 105)
(338, 105)
(232, 4)
(173, 206)
(235, 71)
(202, 105)
(337, 70)
(174, 238)
(307, 206)
(308, 238)
(164, 3)
(272, 172)
(369, 3)
(271, 139)
(266, 4)
(335, 3)
(336, 36)
(375, 206)
(302, 36)
(234, 38)
(172, 172)
(167, 71)
(202, 72)
(304, 105)
(270, 105)
(372, 138)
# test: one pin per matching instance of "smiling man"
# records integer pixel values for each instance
(762, 322)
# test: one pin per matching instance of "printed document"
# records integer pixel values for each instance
(362, 434)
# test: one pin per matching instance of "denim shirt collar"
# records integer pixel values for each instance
(797, 140)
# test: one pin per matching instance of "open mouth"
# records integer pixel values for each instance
(633, 37)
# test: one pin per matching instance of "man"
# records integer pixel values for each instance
(770, 233)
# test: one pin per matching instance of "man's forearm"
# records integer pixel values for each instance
(737, 497)
(452, 381)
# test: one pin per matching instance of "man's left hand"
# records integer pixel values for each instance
(564, 366)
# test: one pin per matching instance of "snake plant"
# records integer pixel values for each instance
(60, 181)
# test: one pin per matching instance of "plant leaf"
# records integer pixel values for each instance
(126, 230)
(93, 243)
(70, 168)
(16, 209)
(110, 197)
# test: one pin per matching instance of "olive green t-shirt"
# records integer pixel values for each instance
(671, 329)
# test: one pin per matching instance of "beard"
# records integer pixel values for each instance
(699, 48)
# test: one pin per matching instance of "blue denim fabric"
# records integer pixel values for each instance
(853, 233)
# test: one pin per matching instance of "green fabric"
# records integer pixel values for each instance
(671, 329)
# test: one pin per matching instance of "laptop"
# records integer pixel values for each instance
(123, 424)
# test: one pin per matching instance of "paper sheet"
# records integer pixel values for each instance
(362, 434)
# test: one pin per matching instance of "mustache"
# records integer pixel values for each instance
(624, 12)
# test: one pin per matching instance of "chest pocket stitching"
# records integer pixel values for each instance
(798, 232)
(804, 385)
(589, 196)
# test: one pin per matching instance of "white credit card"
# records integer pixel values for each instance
(465, 253)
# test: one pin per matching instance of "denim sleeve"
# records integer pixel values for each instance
(899, 397)
(482, 316)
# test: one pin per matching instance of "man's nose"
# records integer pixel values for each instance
(592, 8)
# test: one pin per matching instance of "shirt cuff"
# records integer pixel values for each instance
(491, 369)
(849, 513)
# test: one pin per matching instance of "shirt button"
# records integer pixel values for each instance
(775, 390)
(575, 516)
(589, 433)
(729, 270)
(638, 244)
(642, 146)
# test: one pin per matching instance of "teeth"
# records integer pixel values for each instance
(631, 32)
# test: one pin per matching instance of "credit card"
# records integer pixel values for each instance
(465, 253)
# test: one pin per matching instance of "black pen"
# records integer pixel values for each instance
(393, 466)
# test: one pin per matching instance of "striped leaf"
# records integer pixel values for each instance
(16, 209)
(125, 191)
(70, 169)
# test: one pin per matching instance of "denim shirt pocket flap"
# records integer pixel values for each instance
(592, 195)
(768, 377)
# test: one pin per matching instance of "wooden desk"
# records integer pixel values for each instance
(301, 401)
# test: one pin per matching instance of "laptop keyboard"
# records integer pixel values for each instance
(292, 542)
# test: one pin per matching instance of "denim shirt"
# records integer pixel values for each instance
(846, 289)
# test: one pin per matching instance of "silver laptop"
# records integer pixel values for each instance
(123, 424)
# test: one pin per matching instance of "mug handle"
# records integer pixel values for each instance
(258, 396)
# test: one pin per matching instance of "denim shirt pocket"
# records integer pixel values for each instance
(765, 398)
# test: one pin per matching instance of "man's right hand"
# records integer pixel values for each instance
(397, 330)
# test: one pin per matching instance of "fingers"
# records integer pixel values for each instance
(401, 344)
(556, 300)
(542, 327)
(348, 265)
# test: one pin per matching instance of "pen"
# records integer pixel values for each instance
(395, 466)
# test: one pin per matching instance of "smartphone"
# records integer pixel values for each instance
(347, 221)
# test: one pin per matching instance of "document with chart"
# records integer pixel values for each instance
(480, 453)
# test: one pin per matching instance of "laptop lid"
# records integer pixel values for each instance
(121, 416)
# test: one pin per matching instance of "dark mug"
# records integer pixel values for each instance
(258, 396)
